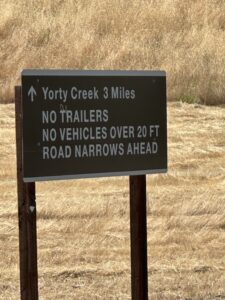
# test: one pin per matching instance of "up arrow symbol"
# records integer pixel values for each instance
(32, 93)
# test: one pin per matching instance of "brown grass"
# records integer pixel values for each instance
(185, 38)
(83, 225)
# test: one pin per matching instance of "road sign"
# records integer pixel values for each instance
(80, 124)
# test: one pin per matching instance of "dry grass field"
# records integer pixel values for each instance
(185, 38)
(83, 225)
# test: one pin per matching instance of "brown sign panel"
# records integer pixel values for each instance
(80, 124)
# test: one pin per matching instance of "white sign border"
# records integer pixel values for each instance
(70, 72)
(95, 175)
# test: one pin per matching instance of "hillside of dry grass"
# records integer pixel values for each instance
(83, 225)
(185, 38)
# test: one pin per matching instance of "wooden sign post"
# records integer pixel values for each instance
(138, 236)
(27, 217)
(79, 124)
